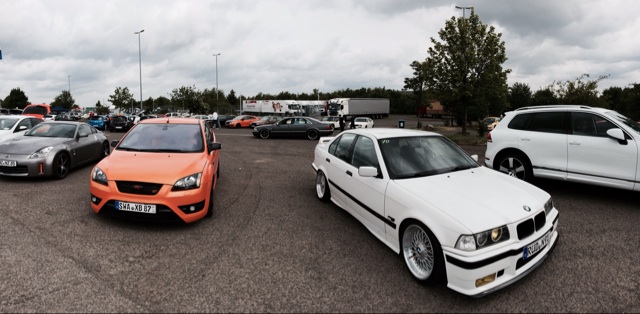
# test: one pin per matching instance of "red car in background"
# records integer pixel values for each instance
(243, 121)
(37, 110)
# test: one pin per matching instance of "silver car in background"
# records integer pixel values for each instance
(52, 148)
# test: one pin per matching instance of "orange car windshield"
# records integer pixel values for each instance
(164, 137)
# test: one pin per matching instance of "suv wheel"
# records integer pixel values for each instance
(515, 165)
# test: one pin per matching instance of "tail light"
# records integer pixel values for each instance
(489, 138)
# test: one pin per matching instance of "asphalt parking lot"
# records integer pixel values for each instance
(273, 247)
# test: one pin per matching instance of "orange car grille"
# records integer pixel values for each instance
(142, 188)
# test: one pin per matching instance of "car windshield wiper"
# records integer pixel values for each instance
(130, 149)
(459, 168)
(163, 150)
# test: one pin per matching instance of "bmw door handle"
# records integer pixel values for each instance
(349, 173)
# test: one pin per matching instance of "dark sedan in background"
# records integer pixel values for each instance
(266, 120)
(295, 127)
(52, 148)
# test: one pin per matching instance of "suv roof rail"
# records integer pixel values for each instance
(553, 106)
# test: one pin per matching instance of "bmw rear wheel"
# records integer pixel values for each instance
(264, 133)
(322, 187)
(61, 165)
(312, 134)
(515, 165)
(422, 253)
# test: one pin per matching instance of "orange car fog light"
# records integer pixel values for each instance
(192, 208)
(485, 280)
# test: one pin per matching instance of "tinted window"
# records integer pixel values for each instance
(548, 122)
(588, 124)
(340, 147)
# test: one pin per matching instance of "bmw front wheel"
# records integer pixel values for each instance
(422, 254)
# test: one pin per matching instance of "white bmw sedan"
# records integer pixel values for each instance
(452, 220)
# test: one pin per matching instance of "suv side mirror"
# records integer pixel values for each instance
(617, 134)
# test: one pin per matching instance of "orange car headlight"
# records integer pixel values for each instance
(98, 176)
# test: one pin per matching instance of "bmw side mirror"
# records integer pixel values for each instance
(366, 171)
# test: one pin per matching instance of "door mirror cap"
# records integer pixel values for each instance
(616, 134)
(366, 171)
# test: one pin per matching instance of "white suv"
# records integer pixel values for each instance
(573, 143)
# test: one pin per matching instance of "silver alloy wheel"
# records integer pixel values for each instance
(322, 190)
(418, 252)
(513, 167)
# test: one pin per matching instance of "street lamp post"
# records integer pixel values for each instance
(140, 64)
(216, 55)
(464, 10)
(69, 77)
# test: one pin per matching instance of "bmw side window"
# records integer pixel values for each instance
(364, 153)
(342, 148)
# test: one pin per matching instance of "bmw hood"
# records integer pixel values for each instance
(26, 145)
(164, 168)
(478, 198)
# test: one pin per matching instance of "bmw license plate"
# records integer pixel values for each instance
(136, 207)
(535, 247)
(8, 163)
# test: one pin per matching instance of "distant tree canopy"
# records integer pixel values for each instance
(122, 99)
(189, 99)
(16, 99)
(64, 100)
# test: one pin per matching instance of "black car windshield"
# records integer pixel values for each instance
(419, 156)
(8, 123)
(164, 137)
(52, 130)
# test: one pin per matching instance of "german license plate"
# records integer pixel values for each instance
(118, 127)
(535, 247)
(136, 207)
(8, 163)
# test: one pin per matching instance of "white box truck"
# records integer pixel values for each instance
(272, 107)
(374, 108)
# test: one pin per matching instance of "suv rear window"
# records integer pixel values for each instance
(548, 122)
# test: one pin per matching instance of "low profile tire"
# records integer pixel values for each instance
(106, 150)
(322, 187)
(212, 198)
(238, 125)
(61, 166)
(312, 134)
(515, 165)
(422, 254)
(265, 134)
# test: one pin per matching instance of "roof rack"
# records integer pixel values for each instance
(553, 106)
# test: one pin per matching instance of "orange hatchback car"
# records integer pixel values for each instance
(162, 169)
(242, 121)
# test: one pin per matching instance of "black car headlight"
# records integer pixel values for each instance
(482, 239)
(188, 183)
(98, 176)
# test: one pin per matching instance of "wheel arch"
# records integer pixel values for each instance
(506, 151)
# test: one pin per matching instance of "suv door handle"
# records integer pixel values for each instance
(574, 143)
(525, 139)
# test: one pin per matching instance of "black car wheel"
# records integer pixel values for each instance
(265, 133)
(61, 165)
(106, 150)
(312, 134)
(238, 125)
(212, 194)
(515, 165)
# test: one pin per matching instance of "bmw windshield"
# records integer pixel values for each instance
(421, 156)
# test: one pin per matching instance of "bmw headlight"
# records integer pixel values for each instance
(548, 206)
(188, 182)
(41, 153)
(482, 239)
(97, 175)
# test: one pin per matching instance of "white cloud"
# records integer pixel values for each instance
(271, 46)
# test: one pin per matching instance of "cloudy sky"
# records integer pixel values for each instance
(271, 46)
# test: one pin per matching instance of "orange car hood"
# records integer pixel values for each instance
(165, 168)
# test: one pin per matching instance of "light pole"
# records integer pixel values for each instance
(464, 10)
(216, 55)
(69, 78)
(140, 63)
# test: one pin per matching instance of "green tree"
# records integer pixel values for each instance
(64, 100)
(544, 97)
(519, 96)
(579, 91)
(232, 99)
(188, 99)
(163, 104)
(417, 83)
(613, 98)
(464, 69)
(16, 99)
(122, 99)
(100, 109)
